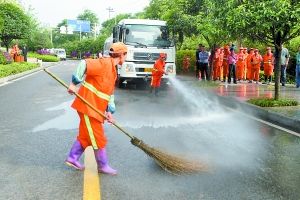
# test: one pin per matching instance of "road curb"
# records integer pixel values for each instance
(261, 113)
(19, 75)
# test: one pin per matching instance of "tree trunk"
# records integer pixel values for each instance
(277, 70)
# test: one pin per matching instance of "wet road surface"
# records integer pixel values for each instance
(247, 159)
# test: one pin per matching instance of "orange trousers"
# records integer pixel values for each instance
(155, 81)
(91, 132)
(255, 74)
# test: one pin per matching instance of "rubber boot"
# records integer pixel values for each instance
(74, 155)
(151, 89)
(102, 161)
(156, 92)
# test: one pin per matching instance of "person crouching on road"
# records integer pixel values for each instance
(97, 78)
(157, 72)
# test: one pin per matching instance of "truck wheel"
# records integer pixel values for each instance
(120, 83)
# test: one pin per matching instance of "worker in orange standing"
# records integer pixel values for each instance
(268, 60)
(216, 67)
(245, 66)
(225, 62)
(97, 78)
(240, 64)
(256, 61)
(249, 74)
(15, 52)
(186, 63)
(157, 72)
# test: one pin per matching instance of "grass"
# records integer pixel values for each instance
(267, 102)
(44, 58)
(15, 68)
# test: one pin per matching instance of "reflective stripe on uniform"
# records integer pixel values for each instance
(90, 131)
(95, 91)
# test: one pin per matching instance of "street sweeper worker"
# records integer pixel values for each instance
(97, 78)
(157, 72)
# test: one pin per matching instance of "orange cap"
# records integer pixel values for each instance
(268, 48)
(118, 47)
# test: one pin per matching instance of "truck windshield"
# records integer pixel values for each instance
(147, 35)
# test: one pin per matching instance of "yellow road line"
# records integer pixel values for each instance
(91, 184)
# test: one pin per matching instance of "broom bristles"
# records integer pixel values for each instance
(174, 164)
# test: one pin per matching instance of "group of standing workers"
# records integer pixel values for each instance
(244, 65)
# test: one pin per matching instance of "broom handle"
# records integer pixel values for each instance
(87, 103)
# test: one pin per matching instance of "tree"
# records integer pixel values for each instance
(16, 23)
(273, 22)
(88, 15)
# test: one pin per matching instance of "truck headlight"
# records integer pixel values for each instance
(170, 69)
(129, 68)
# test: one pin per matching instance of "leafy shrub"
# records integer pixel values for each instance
(74, 54)
(7, 58)
(270, 102)
(43, 52)
(44, 58)
(15, 68)
(2, 58)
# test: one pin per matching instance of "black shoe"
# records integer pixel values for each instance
(283, 84)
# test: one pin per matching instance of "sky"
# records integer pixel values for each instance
(52, 12)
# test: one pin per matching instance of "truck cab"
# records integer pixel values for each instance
(145, 40)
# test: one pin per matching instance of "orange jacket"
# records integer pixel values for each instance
(268, 60)
(97, 87)
(256, 60)
(158, 68)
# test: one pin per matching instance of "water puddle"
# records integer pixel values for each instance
(68, 120)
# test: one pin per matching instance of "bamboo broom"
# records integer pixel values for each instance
(174, 164)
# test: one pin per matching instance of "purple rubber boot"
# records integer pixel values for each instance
(102, 161)
(74, 155)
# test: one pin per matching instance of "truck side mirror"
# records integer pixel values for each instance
(115, 34)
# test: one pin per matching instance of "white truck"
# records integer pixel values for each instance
(145, 40)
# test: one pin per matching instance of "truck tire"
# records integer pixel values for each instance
(120, 82)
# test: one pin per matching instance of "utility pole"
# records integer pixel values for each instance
(110, 10)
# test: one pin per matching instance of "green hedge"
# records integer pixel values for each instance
(15, 68)
(44, 58)
(266, 102)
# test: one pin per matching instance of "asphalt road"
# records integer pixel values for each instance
(247, 159)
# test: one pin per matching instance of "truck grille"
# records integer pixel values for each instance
(145, 56)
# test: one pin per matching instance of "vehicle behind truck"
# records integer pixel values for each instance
(145, 40)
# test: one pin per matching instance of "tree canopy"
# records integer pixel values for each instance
(16, 23)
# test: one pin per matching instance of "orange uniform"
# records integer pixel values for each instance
(15, 51)
(249, 65)
(256, 61)
(240, 64)
(157, 72)
(225, 62)
(96, 89)
(186, 63)
(217, 63)
(268, 64)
